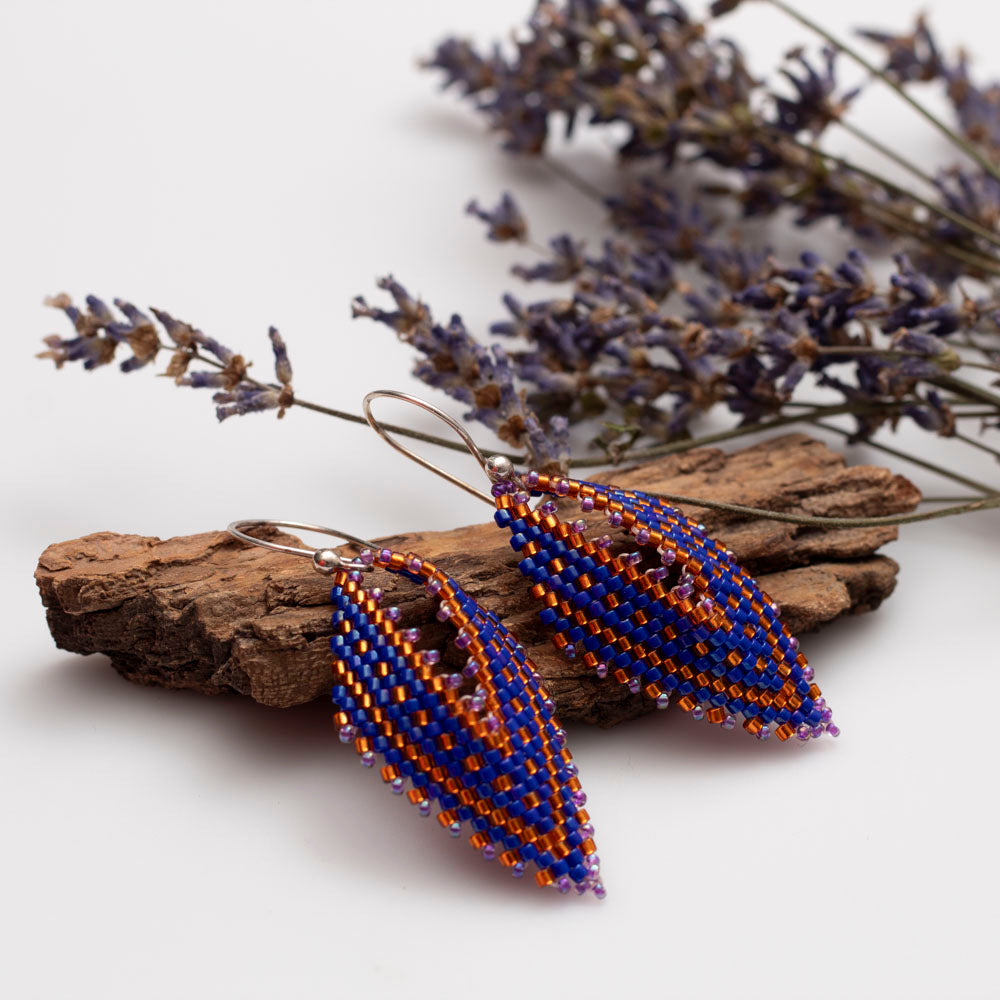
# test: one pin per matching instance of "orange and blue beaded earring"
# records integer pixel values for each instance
(672, 614)
(482, 745)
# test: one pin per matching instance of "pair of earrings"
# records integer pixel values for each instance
(675, 617)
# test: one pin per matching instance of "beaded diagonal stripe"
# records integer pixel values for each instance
(493, 757)
(711, 639)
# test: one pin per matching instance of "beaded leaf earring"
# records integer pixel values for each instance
(482, 745)
(676, 617)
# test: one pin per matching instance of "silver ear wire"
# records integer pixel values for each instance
(496, 467)
(324, 560)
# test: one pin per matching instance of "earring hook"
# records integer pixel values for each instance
(323, 560)
(496, 467)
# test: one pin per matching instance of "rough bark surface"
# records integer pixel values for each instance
(207, 613)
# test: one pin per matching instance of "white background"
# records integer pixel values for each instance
(242, 164)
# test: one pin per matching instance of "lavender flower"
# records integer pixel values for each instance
(99, 334)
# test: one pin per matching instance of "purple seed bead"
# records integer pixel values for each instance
(521, 497)
(707, 605)
(517, 870)
(463, 639)
(826, 715)
(602, 670)
(663, 700)
(642, 536)
(833, 729)
(367, 557)
(587, 829)
(764, 734)
(424, 808)
(775, 607)
(549, 507)
(347, 734)
(431, 656)
(729, 722)
(393, 614)
(376, 594)
(599, 891)
(697, 713)
(355, 576)
(398, 786)
(562, 488)
(433, 587)
(579, 525)
(817, 732)
(368, 759)
(668, 557)
(455, 829)
(443, 612)
(632, 558)
(385, 555)
(564, 885)
(802, 732)
(411, 635)
(572, 770)
(471, 667)
(586, 504)
(657, 574)
(498, 489)
(793, 644)
(559, 739)
(531, 479)
(579, 799)
(634, 685)
(414, 564)
(489, 852)
(492, 723)
(453, 681)
(569, 651)
(615, 518)
(683, 591)
(808, 673)
(603, 542)
(477, 703)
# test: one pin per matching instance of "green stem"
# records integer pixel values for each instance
(959, 141)
(955, 477)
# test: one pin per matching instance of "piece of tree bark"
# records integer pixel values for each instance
(211, 614)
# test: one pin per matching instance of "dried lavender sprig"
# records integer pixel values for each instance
(949, 133)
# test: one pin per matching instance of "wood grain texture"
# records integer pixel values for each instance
(207, 613)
